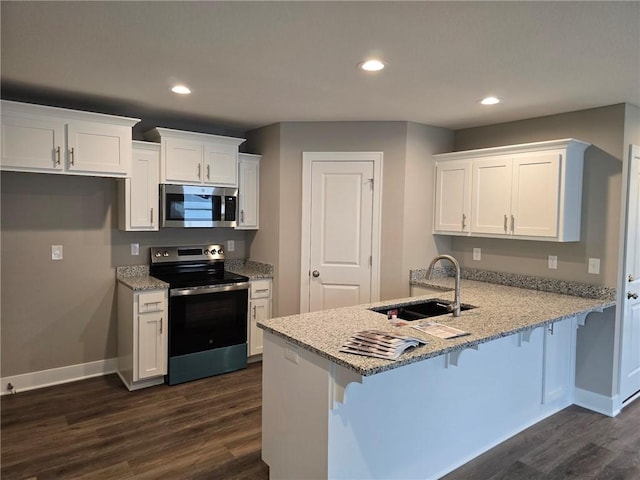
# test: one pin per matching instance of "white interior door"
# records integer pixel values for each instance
(338, 270)
(630, 345)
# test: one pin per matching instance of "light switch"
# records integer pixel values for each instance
(56, 252)
(594, 266)
(477, 253)
(553, 262)
(135, 249)
(231, 245)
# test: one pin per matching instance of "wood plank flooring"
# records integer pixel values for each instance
(210, 429)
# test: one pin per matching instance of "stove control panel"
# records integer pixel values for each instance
(187, 254)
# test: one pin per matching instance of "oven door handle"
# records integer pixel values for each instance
(202, 290)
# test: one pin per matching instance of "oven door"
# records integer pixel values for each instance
(206, 318)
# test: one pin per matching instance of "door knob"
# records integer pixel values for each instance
(632, 295)
(316, 273)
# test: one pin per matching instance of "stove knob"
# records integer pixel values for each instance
(158, 254)
(206, 252)
(220, 251)
(165, 254)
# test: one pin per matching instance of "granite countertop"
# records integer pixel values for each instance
(137, 277)
(501, 311)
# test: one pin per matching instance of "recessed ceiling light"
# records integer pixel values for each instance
(490, 101)
(181, 89)
(371, 66)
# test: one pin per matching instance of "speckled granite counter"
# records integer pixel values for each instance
(249, 268)
(501, 311)
(137, 278)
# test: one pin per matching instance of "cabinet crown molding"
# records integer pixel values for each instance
(573, 144)
(156, 134)
(39, 111)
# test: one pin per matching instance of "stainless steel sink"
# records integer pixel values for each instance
(417, 311)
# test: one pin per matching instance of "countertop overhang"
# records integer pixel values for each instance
(500, 311)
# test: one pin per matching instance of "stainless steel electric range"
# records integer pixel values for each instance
(207, 312)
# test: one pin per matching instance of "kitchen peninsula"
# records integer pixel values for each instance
(328, 414)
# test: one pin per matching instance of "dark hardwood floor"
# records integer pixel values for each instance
(210, 429)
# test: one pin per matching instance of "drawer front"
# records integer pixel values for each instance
(260, 289)
(151, 301)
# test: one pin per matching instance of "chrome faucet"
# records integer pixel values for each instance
(456, 265)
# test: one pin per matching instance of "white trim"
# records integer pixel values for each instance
(305, 252)
(597, 402)
(57, 376)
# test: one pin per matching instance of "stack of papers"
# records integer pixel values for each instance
(375, 343)
(439, 330)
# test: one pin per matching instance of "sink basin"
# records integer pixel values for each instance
(417, 311)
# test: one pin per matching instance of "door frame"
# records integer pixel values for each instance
(305, 248)
(634, 151)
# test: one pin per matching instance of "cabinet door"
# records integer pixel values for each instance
(182, 161)
(248, 192)
(98, 148)
(535, 193)
(152, 350)
(141, 200)
(31, 144)
(259, 310)
(221, 164)
(491, 196)
(452, 197)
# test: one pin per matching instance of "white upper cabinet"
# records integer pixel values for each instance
(56, 140)
(453, 198)
(248, 191)
(196, 158)
(138, 196)
(530, 191)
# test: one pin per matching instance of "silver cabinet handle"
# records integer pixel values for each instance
(160, 324)
(464, 220)
(505, 223)
(632, 295)
(513, 223)
(254, 312)
(260, 290)
(57, 155)
(241, 216)
(199, 171)
(630, 278)
(316, 273)
(151, 215)
(71, 159)
(208, 172)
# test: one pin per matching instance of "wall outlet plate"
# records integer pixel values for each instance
(56, 252)
(553, 262)
(135, 249)
(231, 245)
(477, 253)
(594, 266)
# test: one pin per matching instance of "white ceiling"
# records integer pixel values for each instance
(250, 64)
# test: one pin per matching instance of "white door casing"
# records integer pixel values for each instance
(340, 229)
(630, 318)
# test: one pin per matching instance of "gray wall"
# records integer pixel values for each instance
(60, 313)
(406, 149)
(604, 129)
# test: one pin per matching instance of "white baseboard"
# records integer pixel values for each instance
(596, 402)
(56, 376)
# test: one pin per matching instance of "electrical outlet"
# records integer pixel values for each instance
(135, 249)
(477, 253)
(56, 252)
(594, 266)
(231, 245)
(553, 262)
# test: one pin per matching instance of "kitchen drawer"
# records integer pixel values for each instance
(260, 288)
(151, 301)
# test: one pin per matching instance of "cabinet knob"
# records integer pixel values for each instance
(316, 273)
(632, 295)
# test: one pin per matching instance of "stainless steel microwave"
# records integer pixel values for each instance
(196, 206)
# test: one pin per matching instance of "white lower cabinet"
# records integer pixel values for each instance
(559, 353)
(138, 196)
(259, 309)
(142, 337)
